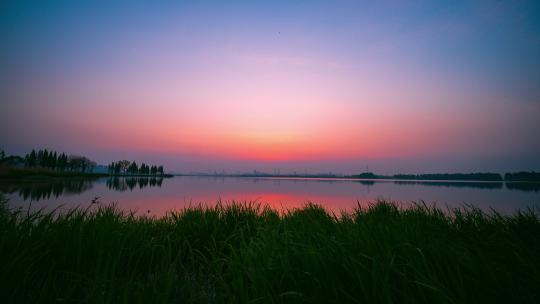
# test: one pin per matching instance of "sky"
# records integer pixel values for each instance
(306, 86)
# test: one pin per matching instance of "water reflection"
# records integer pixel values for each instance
(129, 183)
(36, 191)
(45, 190)
(160, 196)
(523, 186)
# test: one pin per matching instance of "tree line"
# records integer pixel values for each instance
(522, 176)
(125, 167)
(55, 161)
(478, 176)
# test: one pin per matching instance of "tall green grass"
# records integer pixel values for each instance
(245, 253)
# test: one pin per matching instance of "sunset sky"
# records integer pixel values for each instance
(404, 86)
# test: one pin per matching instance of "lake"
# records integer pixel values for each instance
(155, 196)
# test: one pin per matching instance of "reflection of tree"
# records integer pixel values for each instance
(45, 190)
(125, 183)
(366, 182)
(39, 191)
(523, 186)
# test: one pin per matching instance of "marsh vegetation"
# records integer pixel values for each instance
(246, 253)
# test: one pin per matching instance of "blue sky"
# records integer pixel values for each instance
(295, 85)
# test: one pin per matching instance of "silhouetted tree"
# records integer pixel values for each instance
(39, 158)
(59, 162)
(31, 159)
(144, 169)
(133, 168)
(123, 166)
(53, 161)
(88, 165)
(75, 163)
(480, 176)
(43, 162)
(127, 167)
(522, 176)
(62, 162)
(80, 164)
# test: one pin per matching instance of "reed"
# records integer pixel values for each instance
(249, 253)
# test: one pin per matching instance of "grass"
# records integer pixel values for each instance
(245, 253)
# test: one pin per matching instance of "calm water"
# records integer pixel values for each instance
(156, 196)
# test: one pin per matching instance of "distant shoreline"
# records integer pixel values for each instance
(26, 173)
(345, 178)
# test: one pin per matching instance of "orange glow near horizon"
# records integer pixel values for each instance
(341, 135)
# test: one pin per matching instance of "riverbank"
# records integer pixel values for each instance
(245, 253)
(36, 173)
(10, 173)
